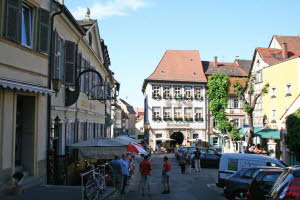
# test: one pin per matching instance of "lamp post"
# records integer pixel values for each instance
(146, 134)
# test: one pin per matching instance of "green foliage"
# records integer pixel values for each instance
(235, 134)
(292, 138)
(218, 94)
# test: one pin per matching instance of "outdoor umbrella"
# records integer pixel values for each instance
(136, 148)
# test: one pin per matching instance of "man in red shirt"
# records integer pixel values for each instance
(166, 175)
(145, 170)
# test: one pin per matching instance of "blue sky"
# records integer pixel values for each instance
(138, 32)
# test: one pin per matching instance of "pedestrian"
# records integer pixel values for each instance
(117, 171)
(182, 163)
(189, 162)
(166, 175)
(125, 171)
(197, 156)
(149, 152)
(145, 170)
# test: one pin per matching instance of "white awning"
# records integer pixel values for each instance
(100, 148)
(25, 87)
(124, 137)
(164, 139)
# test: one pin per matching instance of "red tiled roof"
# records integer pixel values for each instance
(293, 42)
(272, 56)
(233, 80)
(179, 65)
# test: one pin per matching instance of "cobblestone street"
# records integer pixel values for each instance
(189, 186)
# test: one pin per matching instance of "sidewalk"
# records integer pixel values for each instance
(55, 193)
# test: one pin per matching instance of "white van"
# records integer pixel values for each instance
(232, 162)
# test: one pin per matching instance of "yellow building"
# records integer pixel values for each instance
(284, 81)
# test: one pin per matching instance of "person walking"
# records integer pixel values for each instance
(197, 156)
(125, 171)
(188, 162)
(166, 175)
(182, 163)
(145, 170)
(117, 171)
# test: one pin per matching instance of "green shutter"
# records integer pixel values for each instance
(70, 67)
(220, 141)
(211, 141)
(13, 20)
(44, 26)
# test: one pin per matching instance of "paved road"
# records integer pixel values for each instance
(194, 186)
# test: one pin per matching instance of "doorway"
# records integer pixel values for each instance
(178, 138)
(25, 129)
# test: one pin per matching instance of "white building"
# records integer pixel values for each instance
(175, 101)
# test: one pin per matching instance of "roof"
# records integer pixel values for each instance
(227, 68)
(234, 80)
(179, 65)
(129, 107)
(272, 56)
(293, 42)
(244, 64)
(86, 24)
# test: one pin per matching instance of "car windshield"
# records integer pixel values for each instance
(282, 181)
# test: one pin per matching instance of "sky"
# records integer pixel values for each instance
(138, 32)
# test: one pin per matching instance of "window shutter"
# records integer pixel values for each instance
(44, 27)
(13, 21)
(86, 81)
(83, 65)
(78, 65)
(54, 72)
(70, 55)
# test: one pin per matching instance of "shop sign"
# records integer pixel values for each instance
(178, 125)
(86, 104)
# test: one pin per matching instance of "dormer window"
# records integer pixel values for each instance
(90, 39)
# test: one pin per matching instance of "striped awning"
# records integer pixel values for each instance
(25, 87)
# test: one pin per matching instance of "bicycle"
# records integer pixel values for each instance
(14, 186)
(95, 184)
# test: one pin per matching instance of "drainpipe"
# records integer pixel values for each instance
(49, 82)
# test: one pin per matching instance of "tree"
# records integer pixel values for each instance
(292, 137)
(218, 94)
(250, 98)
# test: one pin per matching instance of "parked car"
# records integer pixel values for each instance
(183, 150)
(236, 186)
(210, 158)
(262, 183)
(287, 186)
(233, 162)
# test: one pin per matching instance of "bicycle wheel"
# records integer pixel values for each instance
(91, 189)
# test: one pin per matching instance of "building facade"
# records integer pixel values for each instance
(175, 100)
(77, 47)
(128, 118)
(24, 47)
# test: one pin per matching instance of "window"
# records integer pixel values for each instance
(158, 135)
(235, 103)
(57, 71)
(198, 93)
(215, 123)
(155, 91)
(90, 39)
(233, 164)
(177, 92)
(167, 113)
(188, 113)
(215, 141)
(156, 113)
(273, 115)
(141, 129)
(273, 92)
(258, 77)
(195, 136)
(177, 113)
(27, 25)
(288, 90)
(82, 78)
(188, 92)
(236, 123)
(167, 92)
(198, 114)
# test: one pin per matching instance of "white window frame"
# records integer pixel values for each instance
(156, 113)
(273, 92)
(198, 113)
(156, 91)
(273, 115)
(235, 103)
(167, 115)
(178, 114)
(188, 115)
(177, 91)
(288, 89)
(167, 92)
(197, 92)
(31, 24)
(188, 92)
(236, 122)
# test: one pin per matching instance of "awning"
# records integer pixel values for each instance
(263, 132)
(164, 139)
(25, 87)
(100, 148)
(124, 137)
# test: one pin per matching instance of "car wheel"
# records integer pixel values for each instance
(239, 196)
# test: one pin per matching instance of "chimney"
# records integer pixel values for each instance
(215, 61)
(237, 57)
(284, 51)
(87, 14)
